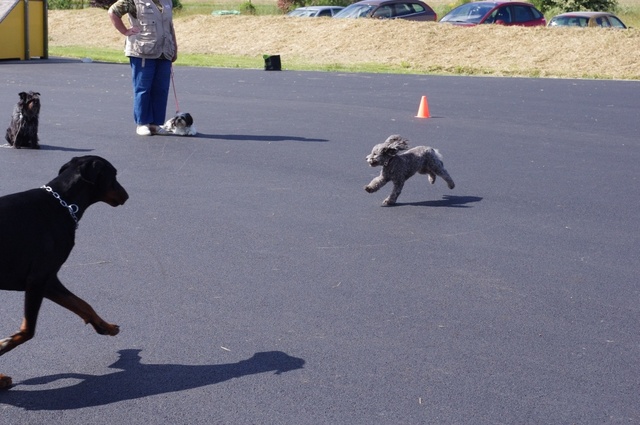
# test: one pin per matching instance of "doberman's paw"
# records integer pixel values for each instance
(107, 329)
(5, 382)
(5, 346)
(113, 330)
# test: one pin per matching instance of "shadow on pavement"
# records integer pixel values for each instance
(137, 380)
(446, 201)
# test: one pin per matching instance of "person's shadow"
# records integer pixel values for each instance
(137, 380)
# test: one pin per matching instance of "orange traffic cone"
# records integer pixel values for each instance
(423, 111)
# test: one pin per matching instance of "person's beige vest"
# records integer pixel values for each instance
(155, 38)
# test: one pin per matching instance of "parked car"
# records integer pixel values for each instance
(587, 19)
(495, 12)
(315, 11)
(415, 10)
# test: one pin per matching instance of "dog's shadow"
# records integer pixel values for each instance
(451, 201)
(49, 148)
(136, 380)
(256, 138)
(62, 148)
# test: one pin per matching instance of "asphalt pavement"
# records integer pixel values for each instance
(256, 282)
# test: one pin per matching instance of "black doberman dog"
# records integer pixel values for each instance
(37, 233)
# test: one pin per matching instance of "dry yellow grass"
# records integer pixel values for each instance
(417, 47)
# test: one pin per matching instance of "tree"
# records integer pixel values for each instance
(576, 5)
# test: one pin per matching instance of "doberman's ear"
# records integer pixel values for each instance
(73, 162)
(65, 166)
(91, 169)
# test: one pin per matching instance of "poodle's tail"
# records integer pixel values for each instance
(437, 153)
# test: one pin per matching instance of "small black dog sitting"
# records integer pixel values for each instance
(181, 124)
(23, 129)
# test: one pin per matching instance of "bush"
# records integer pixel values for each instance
(343, 3)
(105, 4)
(248, 8)
(576, 5)
(288, 5)
(61, 4)
(285, 6)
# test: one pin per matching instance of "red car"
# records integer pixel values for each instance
(495, 12)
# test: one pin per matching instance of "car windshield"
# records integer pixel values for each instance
(354, 11)
(302, 12)
(470, 12)
(570, 21)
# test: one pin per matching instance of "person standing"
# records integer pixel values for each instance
(152, 47)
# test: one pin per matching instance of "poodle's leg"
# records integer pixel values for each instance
(397, 188)
(376, 184)
(446, 177)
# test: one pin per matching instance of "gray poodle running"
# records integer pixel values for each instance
(399, 163)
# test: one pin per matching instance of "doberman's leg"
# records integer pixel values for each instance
(32, 303)
(5, 382)
(57, 293)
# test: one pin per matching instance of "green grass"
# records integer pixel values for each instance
(293, 64)
(100, 55)
(197, 8)
(117, 56)
(224, 61)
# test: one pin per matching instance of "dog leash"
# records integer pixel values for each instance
(175, 96)
(72, 208)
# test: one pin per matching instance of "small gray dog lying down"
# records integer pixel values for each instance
(399, 163)
(181, 124)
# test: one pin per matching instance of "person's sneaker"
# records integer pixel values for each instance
(143, 130)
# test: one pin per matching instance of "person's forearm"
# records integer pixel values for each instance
(119, 25)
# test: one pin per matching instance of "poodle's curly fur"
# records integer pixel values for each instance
(399, 163)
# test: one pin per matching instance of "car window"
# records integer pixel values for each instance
(417, 8)
(602, 21)
(354, 11)
(383, 12)
(325, 12)
(616, 23)
(501, 14)
(469, 12)
(572, 21)
(523, 13)
(403, 9)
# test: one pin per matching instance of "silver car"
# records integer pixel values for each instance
(315, 11)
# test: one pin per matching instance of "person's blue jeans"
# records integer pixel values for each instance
(151, 79)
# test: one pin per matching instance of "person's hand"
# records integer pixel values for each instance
(132, 31)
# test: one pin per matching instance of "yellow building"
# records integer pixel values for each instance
(23, 29)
